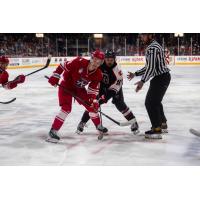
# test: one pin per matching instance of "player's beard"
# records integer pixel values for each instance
(110, 64)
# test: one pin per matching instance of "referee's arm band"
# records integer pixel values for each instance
(136, 74)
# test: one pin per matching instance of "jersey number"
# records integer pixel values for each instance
(118, 82)
(105, 79)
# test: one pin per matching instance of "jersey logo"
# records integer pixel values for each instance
(105, 79)
(81, 83)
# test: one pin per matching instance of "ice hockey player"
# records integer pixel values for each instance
(111, 88)
(156, 69)
(76, 75)
(4, 61)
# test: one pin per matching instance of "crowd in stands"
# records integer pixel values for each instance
(28, 45)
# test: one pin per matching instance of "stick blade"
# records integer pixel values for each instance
(195, 132)
(7, 102)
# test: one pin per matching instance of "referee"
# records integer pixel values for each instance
(156, 69)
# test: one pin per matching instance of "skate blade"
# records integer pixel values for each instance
(195, 132)
(153, 136)
(164, 131)
(100, 136)
(52, 140)
(136, 132)
(79, 132)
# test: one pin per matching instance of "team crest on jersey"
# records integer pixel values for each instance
(80, 70)
(81, 83)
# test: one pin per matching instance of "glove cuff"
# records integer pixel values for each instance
(56, 75)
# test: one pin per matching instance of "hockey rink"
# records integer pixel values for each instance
(25, 123)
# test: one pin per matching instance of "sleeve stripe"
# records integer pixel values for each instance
(141, 71)
(91, 89)
(114, 89)
(62, 66)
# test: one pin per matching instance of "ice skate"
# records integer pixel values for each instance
(53, 137)
(154, 133)
(102, 131)
(135, 128)
(80, 128)
(164, 128)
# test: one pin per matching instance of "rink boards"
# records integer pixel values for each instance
(16, 63)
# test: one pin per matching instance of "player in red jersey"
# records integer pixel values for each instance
(4, 61)
(76, 75)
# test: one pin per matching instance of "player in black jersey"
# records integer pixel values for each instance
(111, 88)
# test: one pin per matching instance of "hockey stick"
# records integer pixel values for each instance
(46, 65)
(7, 102)
(195, 132)
(87, 104)
(100, 136)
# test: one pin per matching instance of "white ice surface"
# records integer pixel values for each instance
(25, 123)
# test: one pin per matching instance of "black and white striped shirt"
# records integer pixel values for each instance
(155, 62)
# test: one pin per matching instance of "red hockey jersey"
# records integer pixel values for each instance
(4, 77)
(76, 75)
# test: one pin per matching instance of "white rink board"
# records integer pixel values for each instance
(32, 62)
(26, 122)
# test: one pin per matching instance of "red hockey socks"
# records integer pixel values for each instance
(95, 118)
(59, 120)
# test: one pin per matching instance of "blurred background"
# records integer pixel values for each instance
(73, 44)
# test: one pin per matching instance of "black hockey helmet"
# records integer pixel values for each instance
(110, 54)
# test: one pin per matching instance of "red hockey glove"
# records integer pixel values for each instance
(20, 79)
(13, 84)
(10, 85)
(54, 79)
(102, 99)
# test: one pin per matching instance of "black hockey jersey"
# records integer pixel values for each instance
(112, 80)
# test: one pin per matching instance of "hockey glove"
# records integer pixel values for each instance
(102, 99)
(19, 79)
(54, 79)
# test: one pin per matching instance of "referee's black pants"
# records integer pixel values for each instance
(153, 102)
